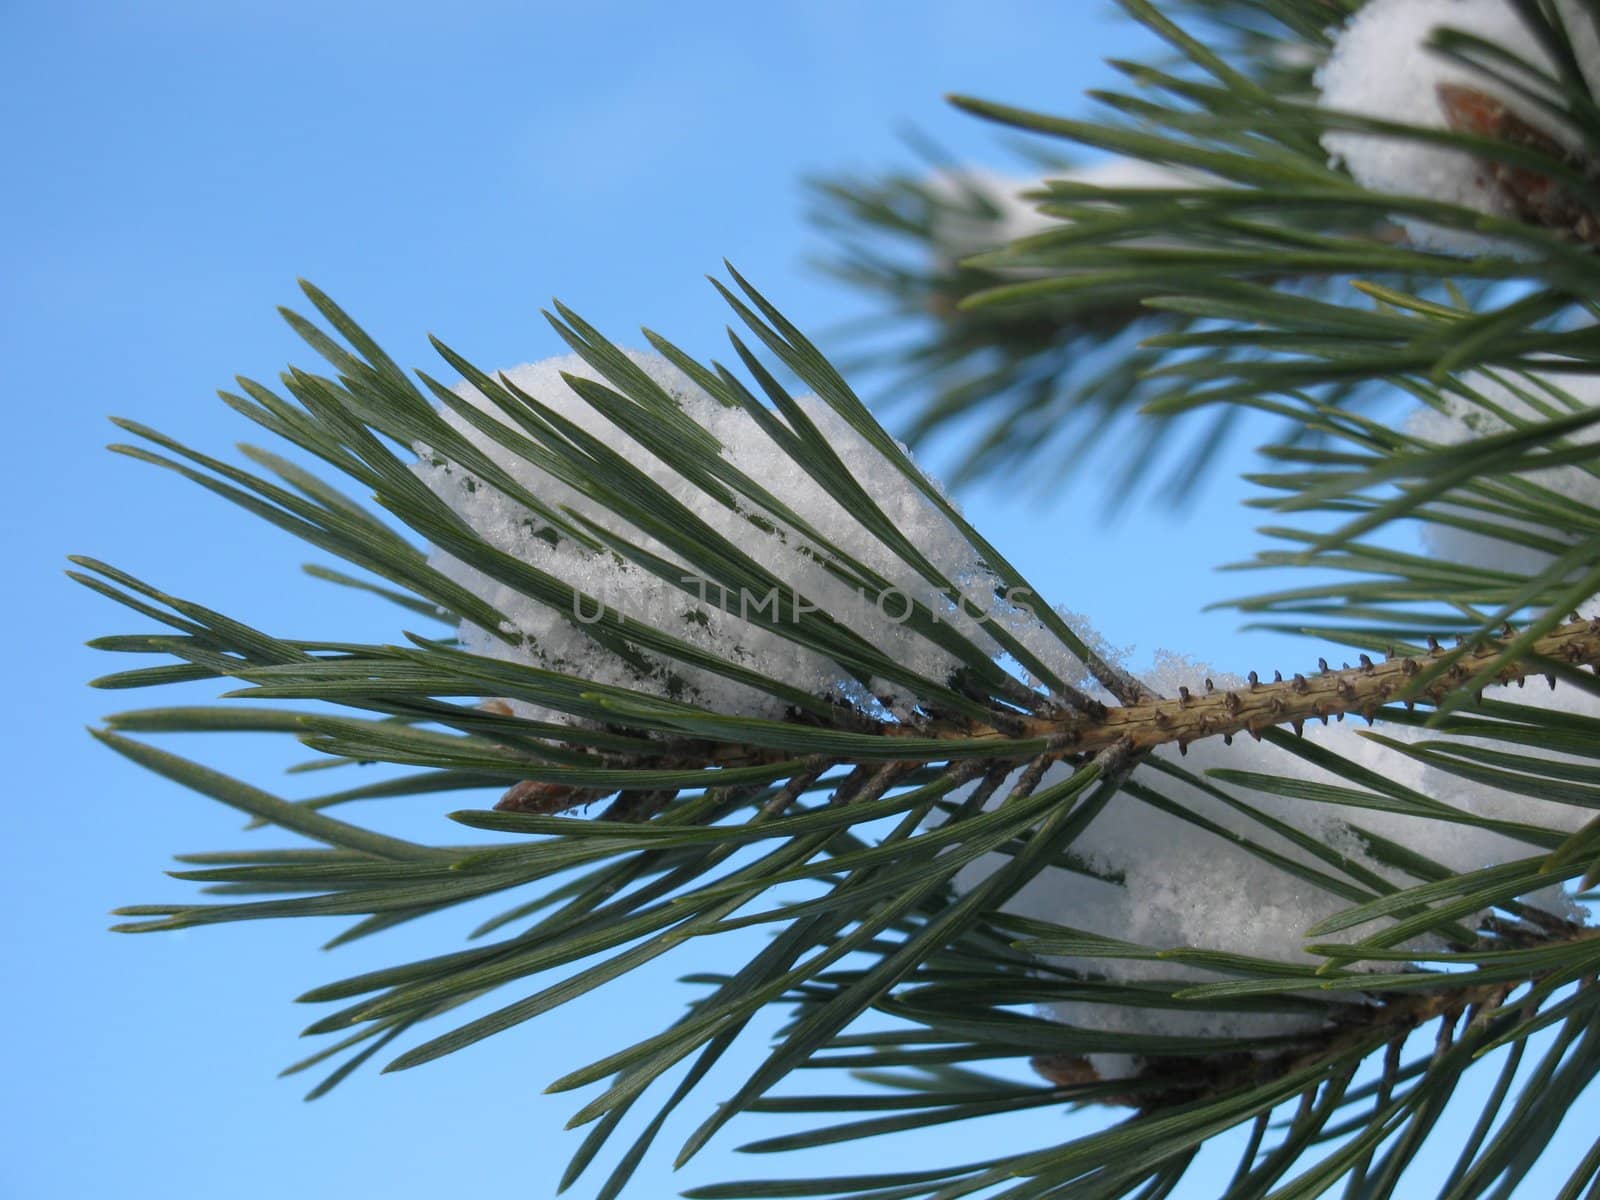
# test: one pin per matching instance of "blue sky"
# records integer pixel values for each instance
(435, 168)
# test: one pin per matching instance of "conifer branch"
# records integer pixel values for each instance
(1138, 728)
(910, 796)
(1329, 693)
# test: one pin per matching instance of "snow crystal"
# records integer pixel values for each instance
(564, 641)
(1381, 67)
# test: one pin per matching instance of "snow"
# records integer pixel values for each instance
(539, 635)
(1381, 67)
(1487, 405)
(978, 210)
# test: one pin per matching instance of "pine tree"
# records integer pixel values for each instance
(706, 651)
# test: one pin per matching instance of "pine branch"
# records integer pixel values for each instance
(1137, 728)
(694, 785)
(909, 804)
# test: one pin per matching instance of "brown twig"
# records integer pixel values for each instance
(1194, 714)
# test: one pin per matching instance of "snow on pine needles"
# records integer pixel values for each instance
(1384, 67)
(751, 631)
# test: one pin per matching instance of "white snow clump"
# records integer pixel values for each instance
(538, 635)
(1381, 67)
(1519, 397)
(979, 210)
